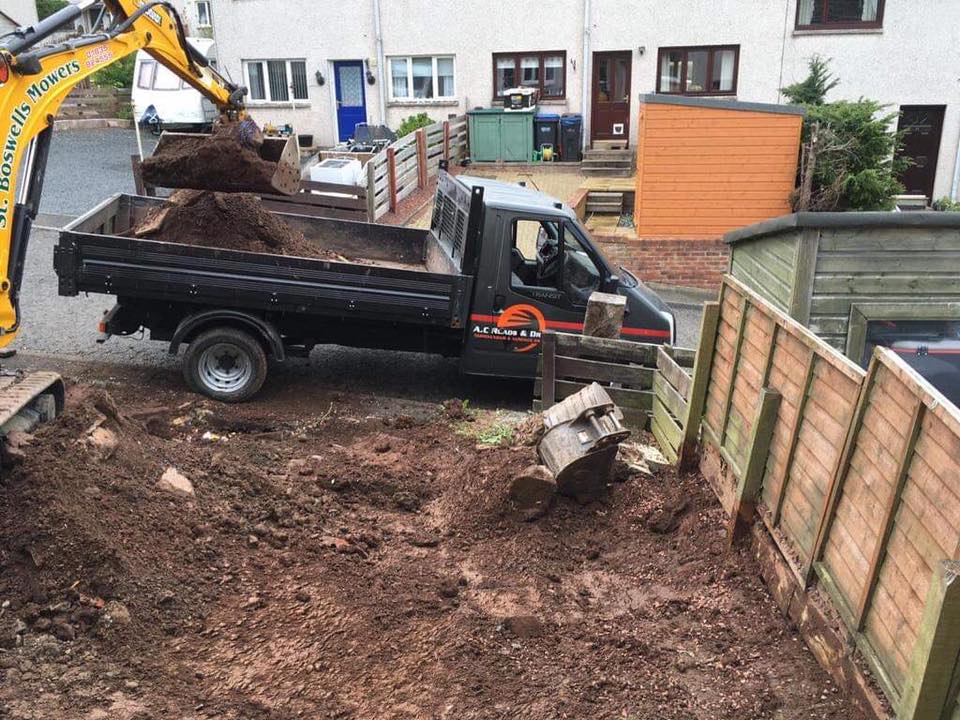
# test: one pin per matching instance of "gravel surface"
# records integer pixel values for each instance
(86, 167)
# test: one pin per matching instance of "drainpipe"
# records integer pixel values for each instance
(955, 188)
(585, 73)
(381, 88)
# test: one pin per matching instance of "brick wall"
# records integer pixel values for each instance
(687, 263)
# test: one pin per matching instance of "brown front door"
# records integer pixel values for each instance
(610, 114)
(922, 126)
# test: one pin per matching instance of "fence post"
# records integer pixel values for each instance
(701, 379)
(392, 177)
(446, 140)
(371, 191)
(548, 389)
(421, 158)
(935, 652)
(748, 489)
(735, 364)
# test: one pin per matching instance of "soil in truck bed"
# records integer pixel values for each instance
(350, 562)
(232, 221)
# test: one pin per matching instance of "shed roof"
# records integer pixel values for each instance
(918, 219)
(717, 104)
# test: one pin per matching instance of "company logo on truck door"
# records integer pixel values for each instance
(519, 325)
(18, 119)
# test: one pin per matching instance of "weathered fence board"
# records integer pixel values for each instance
(857, 479)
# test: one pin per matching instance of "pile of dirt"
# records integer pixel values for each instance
(341, 564)
(232, 221)
(219, 161)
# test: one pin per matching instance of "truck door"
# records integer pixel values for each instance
(543, 278)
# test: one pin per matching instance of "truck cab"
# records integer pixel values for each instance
(536, 269)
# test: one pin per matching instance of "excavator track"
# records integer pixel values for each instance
(27, 399)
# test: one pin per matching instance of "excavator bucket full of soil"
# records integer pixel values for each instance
(219, 162)
(580, 440)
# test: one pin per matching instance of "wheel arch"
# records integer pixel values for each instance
(261, 329)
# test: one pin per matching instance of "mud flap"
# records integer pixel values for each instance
(580, 441)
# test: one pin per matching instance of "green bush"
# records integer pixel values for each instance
(945, 204)
(119, 74)
(46, 8)
(853, 147)
(412, 123)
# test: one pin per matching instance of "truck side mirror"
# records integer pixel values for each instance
(611, 284)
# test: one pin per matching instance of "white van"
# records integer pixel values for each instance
(164, 101)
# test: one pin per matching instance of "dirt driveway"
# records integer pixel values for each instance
(357, 562)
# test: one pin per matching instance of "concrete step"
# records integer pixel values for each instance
(608, 153)
(612, 208)
(607, 162)
(609, 144)
(605, 171)
(604, 196)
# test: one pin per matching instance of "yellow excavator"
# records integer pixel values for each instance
(36, 75)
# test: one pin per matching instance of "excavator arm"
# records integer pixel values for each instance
(34, 81)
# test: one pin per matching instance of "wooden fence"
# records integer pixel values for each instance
(672, 386)
(855, 476)
(626, 369)
(408, 164)
(94, 102)
(321, 199)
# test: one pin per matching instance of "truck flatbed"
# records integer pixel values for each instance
(400, 274)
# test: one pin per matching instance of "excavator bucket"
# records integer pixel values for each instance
(580, 440)
(209, 162)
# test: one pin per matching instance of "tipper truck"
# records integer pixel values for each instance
(499, 265)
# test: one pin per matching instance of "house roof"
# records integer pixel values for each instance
(717, 104)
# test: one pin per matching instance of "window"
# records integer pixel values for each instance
(546, 71)
(204, 18)
(541, 266)
(164, 79)
(829, 14)
(145, 74)
(709, 70)
(276, 80)
(422, 78)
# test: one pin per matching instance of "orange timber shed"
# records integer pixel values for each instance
(705, 166)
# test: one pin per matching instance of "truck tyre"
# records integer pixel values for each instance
(225, 364)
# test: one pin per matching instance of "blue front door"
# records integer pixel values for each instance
(351, 102)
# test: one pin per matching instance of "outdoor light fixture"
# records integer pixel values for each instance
(320, 79)
(370, 78)
(642, 49)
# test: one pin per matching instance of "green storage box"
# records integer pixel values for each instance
(499, 135)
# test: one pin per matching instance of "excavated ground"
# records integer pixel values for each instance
(350, 563)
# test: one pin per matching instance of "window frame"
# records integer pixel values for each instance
(435, 78)
(843, 25)
(151, 64)
(208, 5)
(268, 99)
(542, 56)
(711, 50)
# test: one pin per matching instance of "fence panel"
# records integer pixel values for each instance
(396, 173)
(860, 489)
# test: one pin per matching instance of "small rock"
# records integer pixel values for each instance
(406, 501)
(104, 440)
(253, 541)
(166, 597)
(131, 684)
(424, 541)
(174, 481)
(533, 491)
(667, 518)
(382, 446)
(524, 626)
(63, 630)
(302, 596)
(116, 613)
(449, 589)
(92, 491)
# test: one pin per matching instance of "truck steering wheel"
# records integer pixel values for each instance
(548, 260)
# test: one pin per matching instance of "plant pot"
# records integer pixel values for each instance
(305, 141)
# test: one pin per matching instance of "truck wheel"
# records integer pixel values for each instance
(225, 364)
